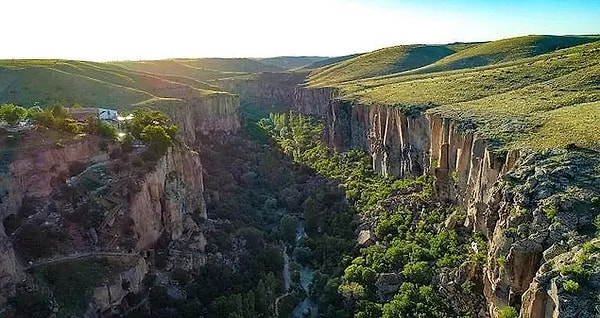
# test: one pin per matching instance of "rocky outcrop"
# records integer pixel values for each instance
(469, 173)
(113, 292)
(214, 114)
(403, 145)
(168, 199)
(313, 101)
(10, 273)
(35, 174)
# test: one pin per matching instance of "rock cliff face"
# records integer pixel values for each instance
(34, 175)
(469, 174)
(168, 198)
(113, 293)
(269, 91)
(210, 115)
(313, 101)
(10, 273)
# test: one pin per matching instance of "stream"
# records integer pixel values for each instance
(306, 308)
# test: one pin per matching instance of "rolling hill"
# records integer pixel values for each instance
(43, 82)
(381, 62)
(505, 50)
(525, 102)
(292, 62)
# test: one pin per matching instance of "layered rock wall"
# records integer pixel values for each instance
(168, 197)
(269, 91)
(34, 175)
(113, 293)
(216, 114)
(468, 173)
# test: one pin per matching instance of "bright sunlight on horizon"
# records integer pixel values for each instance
(136, 30)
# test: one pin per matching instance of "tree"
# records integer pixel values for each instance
(154, 128)
(12, 114)
(145, 118)
(157, 138)
(288, 225)
(352, 291)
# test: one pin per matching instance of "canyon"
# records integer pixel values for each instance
(535, 209)
(474, 176)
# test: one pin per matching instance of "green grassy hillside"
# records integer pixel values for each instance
(329, 61)
(505, 50)
(43, 82)
(381, 62)
(176, 68)
(291, 62)
(533, 102)
(203, 69)
(244, 65)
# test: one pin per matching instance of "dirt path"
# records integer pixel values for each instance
(74, 257)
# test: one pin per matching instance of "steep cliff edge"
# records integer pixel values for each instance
(269, 91)
(213, 114)
(93, 199)
(33, 175)
(169, 199)
(490, 185)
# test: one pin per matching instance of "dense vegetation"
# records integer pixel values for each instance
(256, 197)
(409, 225)
(261, 190)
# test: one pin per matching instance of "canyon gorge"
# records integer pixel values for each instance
(234, 192)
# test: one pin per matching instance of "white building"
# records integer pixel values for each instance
(107, 114)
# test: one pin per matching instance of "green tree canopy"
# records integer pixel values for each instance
(145, 118)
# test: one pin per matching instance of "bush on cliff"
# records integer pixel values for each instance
(56, 117)
(95, 126)
(12, 114)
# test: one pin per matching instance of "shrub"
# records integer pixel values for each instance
(551, 212)
(154, 128)
(508, 312)
(97, 127)
(467, 286)
(597, 221)
(33, 112)
(501, 261)
(57, 118)
(145, 118)
(12, 114)
(571, 286)
(107, 131)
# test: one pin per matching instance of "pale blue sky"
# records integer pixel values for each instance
(136, 29)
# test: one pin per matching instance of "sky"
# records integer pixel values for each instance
(154, 29)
